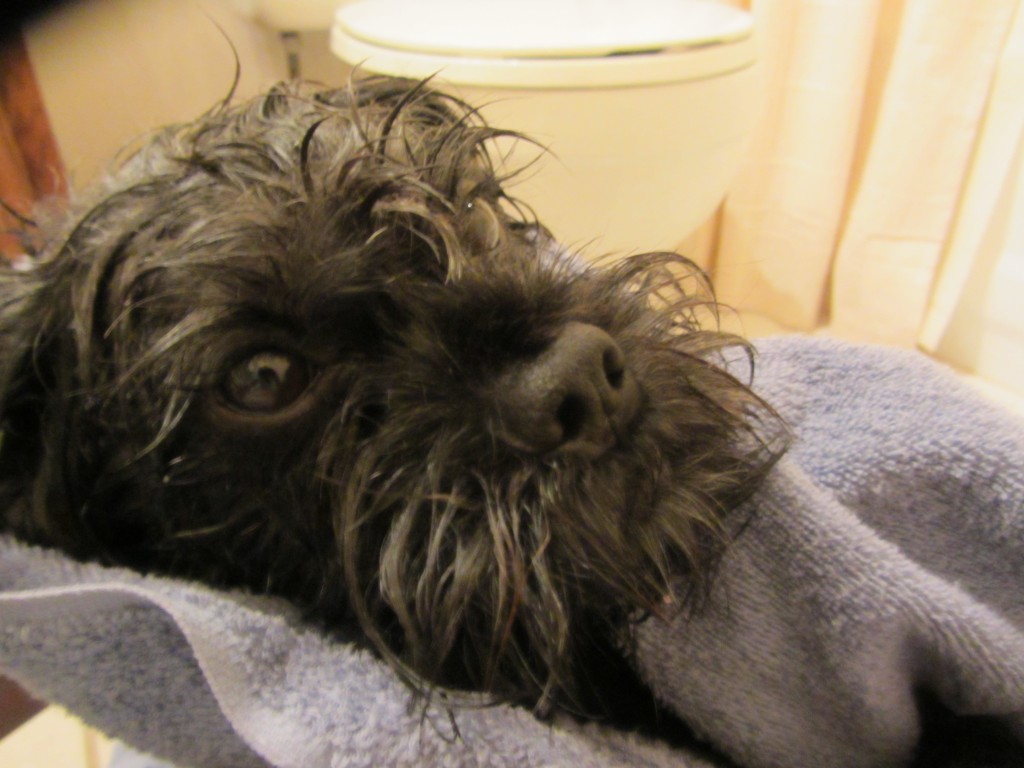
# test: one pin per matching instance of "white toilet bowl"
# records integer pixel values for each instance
(644, 106)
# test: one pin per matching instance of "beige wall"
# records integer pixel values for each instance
(111, 70)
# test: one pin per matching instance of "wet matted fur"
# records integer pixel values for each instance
(290, 347)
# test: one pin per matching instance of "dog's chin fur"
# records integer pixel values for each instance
(363, 236)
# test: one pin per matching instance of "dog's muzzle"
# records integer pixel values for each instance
(577, 397)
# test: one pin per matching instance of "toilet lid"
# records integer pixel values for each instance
(534, 43)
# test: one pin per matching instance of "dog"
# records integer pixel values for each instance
(309, 346)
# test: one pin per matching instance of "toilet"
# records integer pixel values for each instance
(644, 108)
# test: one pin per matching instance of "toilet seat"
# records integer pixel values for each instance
(544, 43)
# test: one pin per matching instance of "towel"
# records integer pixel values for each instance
(871, 613)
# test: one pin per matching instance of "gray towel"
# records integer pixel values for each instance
(881, 575)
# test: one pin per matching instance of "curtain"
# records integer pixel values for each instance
(976, 316)
(881, 192)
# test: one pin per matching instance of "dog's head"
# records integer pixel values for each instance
(307, 345)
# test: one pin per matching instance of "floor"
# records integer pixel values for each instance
(54, 739)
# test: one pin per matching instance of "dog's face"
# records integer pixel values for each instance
(307, 346)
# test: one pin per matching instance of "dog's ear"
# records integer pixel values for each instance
(42, 447)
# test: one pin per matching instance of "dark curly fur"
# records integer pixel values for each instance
(274, 350)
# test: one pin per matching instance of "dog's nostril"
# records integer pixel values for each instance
(614, 367)
(571, 416)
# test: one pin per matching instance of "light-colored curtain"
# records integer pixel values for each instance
(976, 315)
(882, 195)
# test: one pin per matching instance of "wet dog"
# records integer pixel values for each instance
(308, 346)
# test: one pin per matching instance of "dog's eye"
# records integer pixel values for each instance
(267, 381)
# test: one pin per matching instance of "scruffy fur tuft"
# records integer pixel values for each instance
(300, 346)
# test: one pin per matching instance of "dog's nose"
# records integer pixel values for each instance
(578, 396)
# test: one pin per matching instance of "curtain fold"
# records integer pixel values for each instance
(975, 318)
(881, 197)
(781, 219)
(921, 147)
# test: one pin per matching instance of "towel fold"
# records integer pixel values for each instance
(872, 609)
